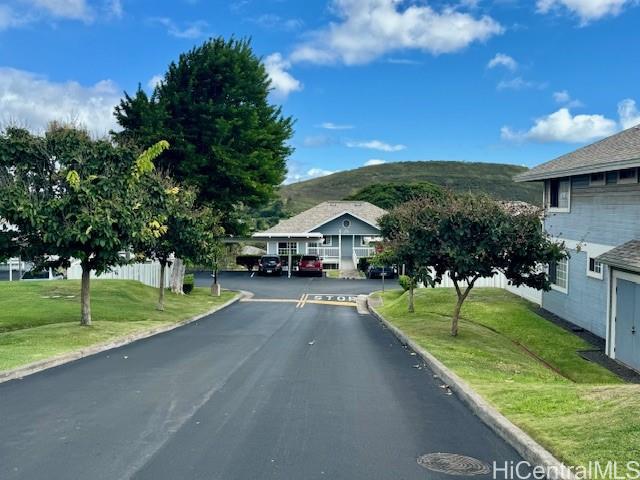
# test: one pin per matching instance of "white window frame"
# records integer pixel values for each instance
(327, 242)
(346, 223)
(598, 183)
(593, 273)
(551, 209)
(633, 179)
(559, 288)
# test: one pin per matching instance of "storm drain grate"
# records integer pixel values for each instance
(453, 464)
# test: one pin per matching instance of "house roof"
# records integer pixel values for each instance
(618, 151)
(325, 212)
(625, 256)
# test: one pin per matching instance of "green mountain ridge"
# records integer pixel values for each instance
(495, 179)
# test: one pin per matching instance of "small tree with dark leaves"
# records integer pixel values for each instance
(471, 237)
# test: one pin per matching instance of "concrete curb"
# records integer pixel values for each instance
(39, 366)
(527, 447)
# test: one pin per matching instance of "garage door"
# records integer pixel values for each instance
(628, 323)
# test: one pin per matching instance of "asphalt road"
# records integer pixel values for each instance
(261, 390)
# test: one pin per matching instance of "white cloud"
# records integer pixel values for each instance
(563, 98)
(155, 81)
(562, 126)
(317, 141)
(189, 30)
(502, 60)
(297, 174)
(282, 82)
(71, 9)
(276, 22)
(586, 10)
(518, 83)
(629, 114)
(115, 8)
(34, 101)
(368, 29)
(374, 161)
(376, 145)
(334, 126)
(9, 18)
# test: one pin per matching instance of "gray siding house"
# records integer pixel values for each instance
(340, 232)
(592, 203)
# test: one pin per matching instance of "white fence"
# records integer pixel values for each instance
(147, 273)
(499, 281)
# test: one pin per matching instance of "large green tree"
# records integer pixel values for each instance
(471, 237)
(72, 197)
(227, 139)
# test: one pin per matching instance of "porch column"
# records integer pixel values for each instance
(340, 249)
(290, 267)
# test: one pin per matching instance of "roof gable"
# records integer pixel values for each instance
(325, 212)
(618, 151)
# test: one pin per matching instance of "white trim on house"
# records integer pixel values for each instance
(347, 212)
(613, 300)
(557, 287)
(287, 235)
(593, 273)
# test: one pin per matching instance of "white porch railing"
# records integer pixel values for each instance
(360, 252)
(324, 252)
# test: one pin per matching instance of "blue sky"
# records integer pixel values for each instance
(367, 80)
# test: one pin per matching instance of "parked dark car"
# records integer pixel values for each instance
(270, 265)
(311, 264)
(376, 271)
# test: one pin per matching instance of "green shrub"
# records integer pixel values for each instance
(363, 264)
(188, 283)
(405, 282)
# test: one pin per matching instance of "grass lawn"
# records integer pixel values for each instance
(578, 410)
(41, 319)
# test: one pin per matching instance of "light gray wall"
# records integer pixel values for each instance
(585, 304)
(358, 227)
(608, 215)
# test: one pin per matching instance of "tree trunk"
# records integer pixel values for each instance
(177, 276)
(85, 296)
(412, 308)
(462, 296)
(163, 267)
(456, 317)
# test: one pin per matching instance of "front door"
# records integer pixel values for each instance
(627, 348)
(347, 246)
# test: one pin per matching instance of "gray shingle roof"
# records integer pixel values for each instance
(322, 213)
(625, 256)
(621, 150)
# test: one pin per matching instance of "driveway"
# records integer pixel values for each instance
(267, 389)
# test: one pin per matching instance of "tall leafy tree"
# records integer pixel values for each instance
(227, 139)
(72, 197)
(472, 237)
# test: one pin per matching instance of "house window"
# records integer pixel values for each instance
(284, 248)
(346, 223)
(559, 195)
(594, 269)
(597, 179)
(559, 275)
(327, 241)
(628, 175)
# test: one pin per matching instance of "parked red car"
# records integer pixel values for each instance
(311, 264)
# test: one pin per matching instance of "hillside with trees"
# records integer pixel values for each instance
(496, 180)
